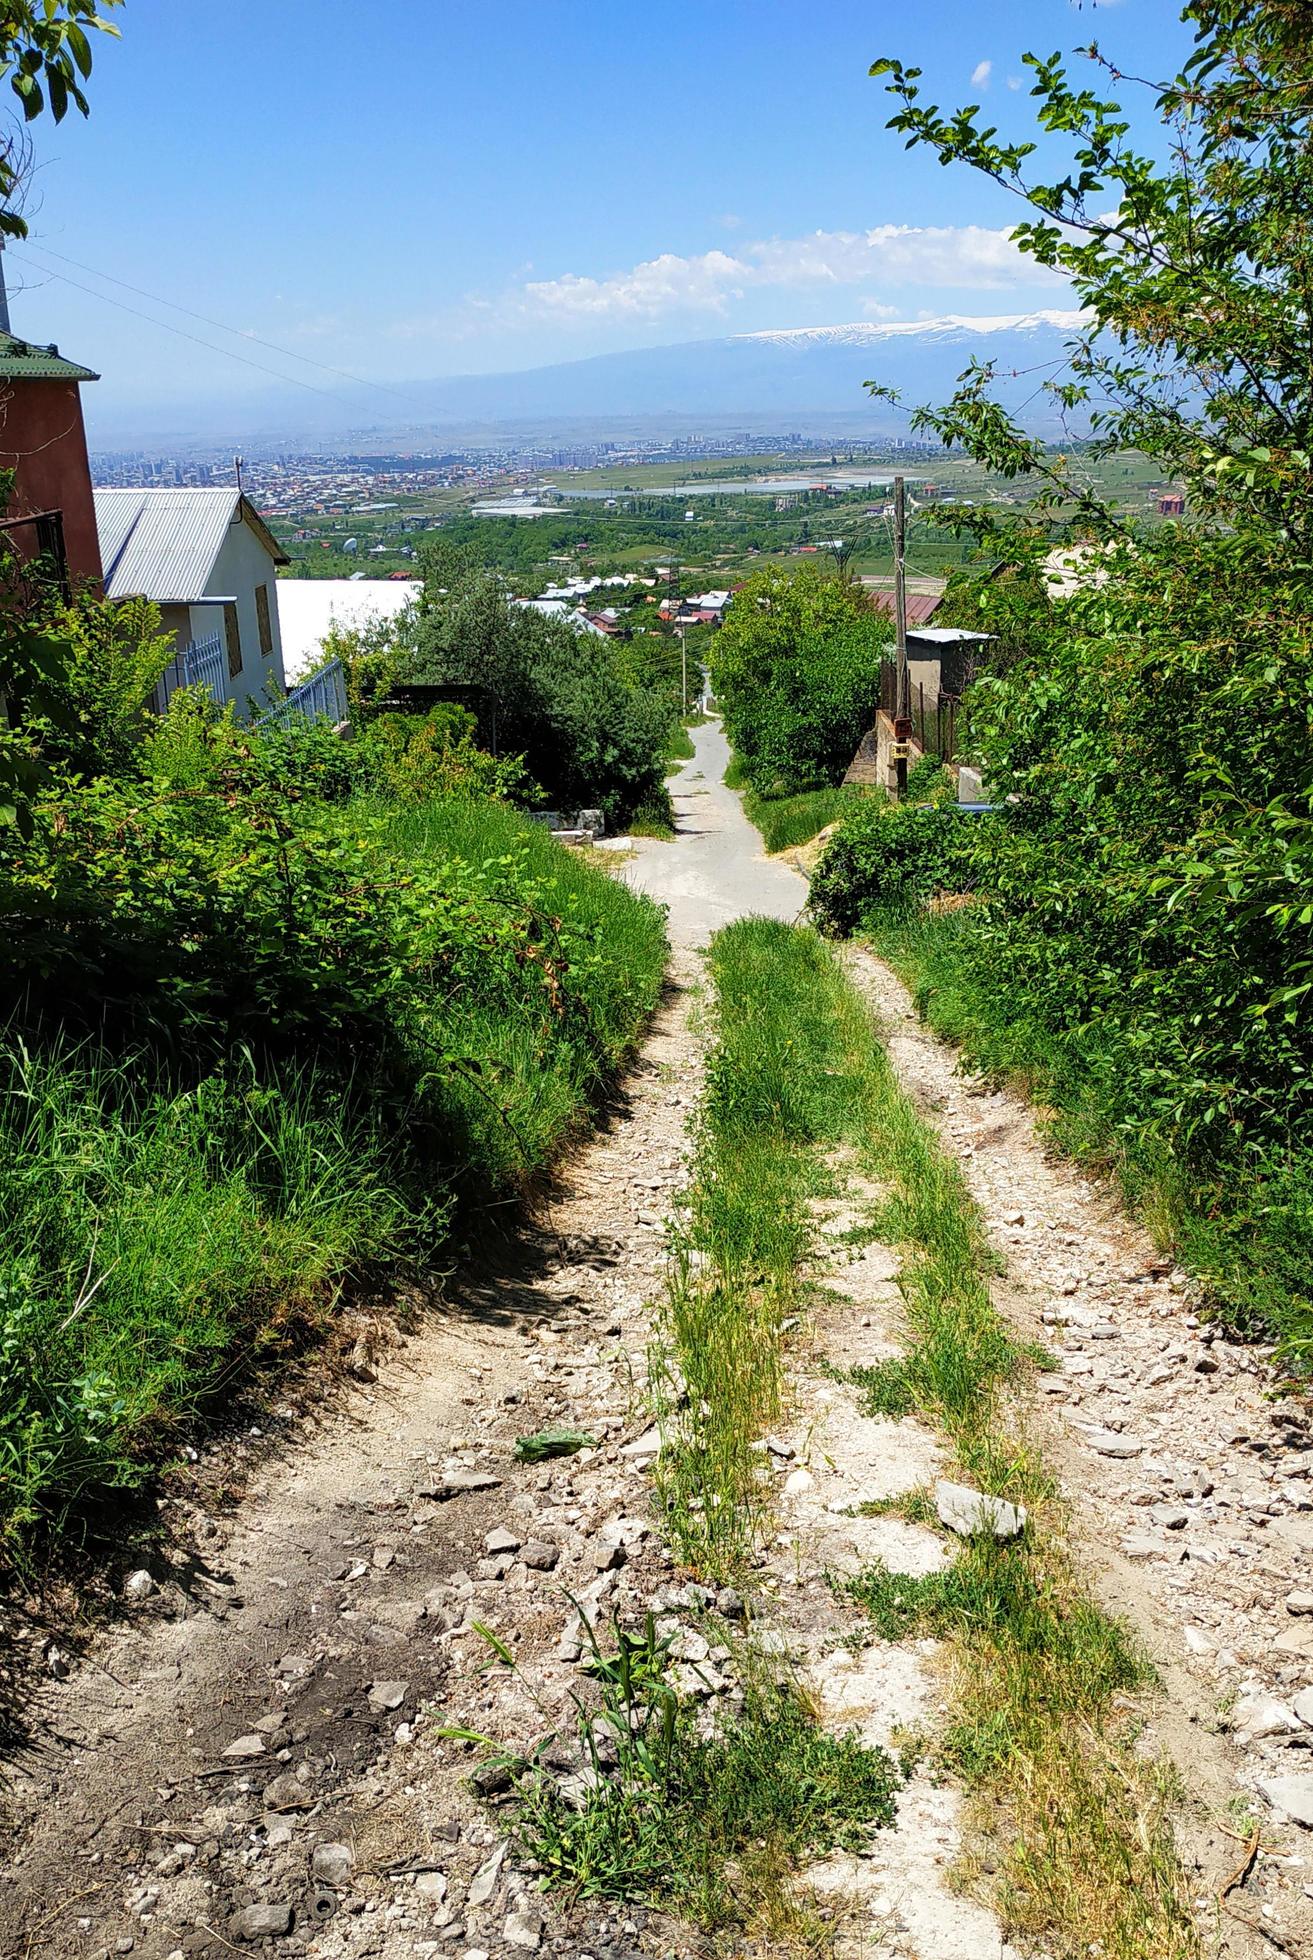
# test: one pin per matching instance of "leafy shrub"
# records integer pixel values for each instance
(417, 758)
(265, 1029)
(562, 699)
(796, 670)
(887, 857)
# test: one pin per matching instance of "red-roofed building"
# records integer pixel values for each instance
(921, 606)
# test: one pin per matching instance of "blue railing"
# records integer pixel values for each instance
(202, 664)
(321, 698)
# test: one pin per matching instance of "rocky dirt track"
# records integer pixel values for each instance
(249, 1761)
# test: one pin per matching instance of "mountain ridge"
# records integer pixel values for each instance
(774, 378)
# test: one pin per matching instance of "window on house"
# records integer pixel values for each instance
(262, 619)
(232, 634)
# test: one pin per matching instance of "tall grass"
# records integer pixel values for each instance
(786, 821)
(773, 1094)
(1244, 1228)
(155, 1239)
(166, 1226)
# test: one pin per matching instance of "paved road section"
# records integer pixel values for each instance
(716, 869)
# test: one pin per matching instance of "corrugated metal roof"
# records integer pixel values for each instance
(163, 543)
(23, 360)
(920, 605)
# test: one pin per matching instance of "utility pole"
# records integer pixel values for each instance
(673, 599)
(903, 714)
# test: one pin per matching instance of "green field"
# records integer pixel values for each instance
(727, 537)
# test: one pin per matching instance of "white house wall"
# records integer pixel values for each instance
(242, 564)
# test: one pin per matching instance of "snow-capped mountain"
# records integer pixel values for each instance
(789, 378)
(781, 375)
(956, 327)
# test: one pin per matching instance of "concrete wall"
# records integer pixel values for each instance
(874, 762)
(43, 442)
(242, 564)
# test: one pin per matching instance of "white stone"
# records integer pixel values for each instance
(388, 1694)
(245, 1748)
(968, 1511)
(138, 1585)
(1292, 1795)
(332, 1863)
(524, 1929)
(798, 1483)
(1108, 1442)
(1257, 1716)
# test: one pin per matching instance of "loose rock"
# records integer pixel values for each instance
(1293, 1795)
(332, 1864)
(261, 1922)
(968, 1511)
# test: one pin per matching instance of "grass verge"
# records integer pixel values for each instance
(171, 1222)
(785, 821)
(1242, 1226)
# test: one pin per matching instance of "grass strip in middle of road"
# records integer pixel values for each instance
(1041, 1722)
(775, 1098)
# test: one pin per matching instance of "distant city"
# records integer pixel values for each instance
(285, 483)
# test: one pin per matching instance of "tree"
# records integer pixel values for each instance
(1196, 273)
(46, 54)
(564, 701)
(796, 669)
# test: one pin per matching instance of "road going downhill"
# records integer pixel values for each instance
(716, 870)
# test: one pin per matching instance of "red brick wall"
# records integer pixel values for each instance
(43, 441)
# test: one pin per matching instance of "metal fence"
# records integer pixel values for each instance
(202, 664)
(321, 698)
(934, 716)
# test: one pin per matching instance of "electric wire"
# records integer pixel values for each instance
(239, 333)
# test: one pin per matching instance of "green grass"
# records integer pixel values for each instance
(708, 1826)
(785, 821)
(1244, 1229)
(157, 1240)
(166, 1227)
(773, 1095)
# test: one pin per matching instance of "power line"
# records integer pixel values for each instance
(239, 333)
(181, 332)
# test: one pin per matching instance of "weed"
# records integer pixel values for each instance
(785, 821)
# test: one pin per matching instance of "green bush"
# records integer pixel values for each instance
(887, 857)
(265, 1030)
(796, 670)
(563, 700)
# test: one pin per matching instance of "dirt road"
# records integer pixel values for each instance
(250, 1760)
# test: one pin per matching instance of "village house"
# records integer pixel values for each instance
(43, 444)
(209, 562)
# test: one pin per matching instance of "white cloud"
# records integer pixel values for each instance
(1014, 83)
(876, 309)
(981, 73)
(962, 256)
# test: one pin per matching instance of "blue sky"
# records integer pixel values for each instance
(431, 187)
